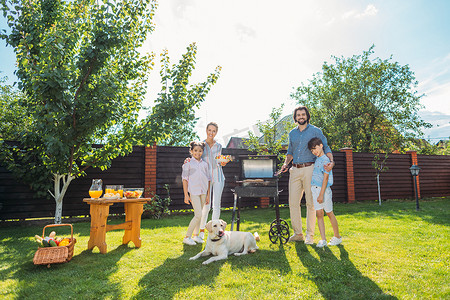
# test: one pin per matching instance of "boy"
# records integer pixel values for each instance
(321, 192)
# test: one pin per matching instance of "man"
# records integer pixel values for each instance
(301, 172)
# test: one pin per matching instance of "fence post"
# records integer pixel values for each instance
(150, 171)
(415, 161)
(350, 174)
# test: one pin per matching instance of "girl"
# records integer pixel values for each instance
(196, 186)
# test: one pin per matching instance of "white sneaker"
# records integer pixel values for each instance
(201, 234)
(309, 240)
(198, 240)
(335, 241)
(189, 241)
(321, 243)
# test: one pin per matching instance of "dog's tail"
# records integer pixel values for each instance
(256, 235)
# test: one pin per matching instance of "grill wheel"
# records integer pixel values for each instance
(279, 232)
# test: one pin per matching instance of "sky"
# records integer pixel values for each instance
(268, 48)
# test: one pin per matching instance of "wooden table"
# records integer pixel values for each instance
(99, 210)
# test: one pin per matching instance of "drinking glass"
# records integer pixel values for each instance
(120, 190)
(111, 189)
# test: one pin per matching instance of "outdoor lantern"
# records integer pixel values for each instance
(415, 172)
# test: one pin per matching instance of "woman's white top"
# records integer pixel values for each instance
(214, 167)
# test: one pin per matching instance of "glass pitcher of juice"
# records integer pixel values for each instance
(96, 189)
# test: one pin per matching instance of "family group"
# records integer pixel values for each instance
(310, 174)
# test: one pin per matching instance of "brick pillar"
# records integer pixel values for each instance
(264, 202)
(415, 161)
(350, 174)
(150, 171)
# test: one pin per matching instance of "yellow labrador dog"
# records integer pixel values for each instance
(221, 243)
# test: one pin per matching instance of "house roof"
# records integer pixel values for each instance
(237, 143)
(280, 129)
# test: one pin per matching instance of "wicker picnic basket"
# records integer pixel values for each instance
(55, 255)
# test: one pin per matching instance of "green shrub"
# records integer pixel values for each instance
(159, 206)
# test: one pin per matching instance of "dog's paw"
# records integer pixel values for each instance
(205, 262)
(193, 258)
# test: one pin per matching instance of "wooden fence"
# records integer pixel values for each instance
(17, 201)
(354, 179)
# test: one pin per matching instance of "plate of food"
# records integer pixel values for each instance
(111, 196)
(223, 158)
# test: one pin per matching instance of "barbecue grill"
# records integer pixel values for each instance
(258, 180)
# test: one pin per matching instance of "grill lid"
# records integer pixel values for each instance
(258, 166)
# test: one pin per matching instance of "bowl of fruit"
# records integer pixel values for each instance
(223, 158)
(132, 193)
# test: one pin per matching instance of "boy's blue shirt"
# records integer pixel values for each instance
(298, 144)
(319, 170)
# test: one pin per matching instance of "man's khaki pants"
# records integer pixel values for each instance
(299, 182)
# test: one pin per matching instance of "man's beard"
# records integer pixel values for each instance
(302, 121)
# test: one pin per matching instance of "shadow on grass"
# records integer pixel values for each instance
(164, 281)
(177, 274)
(434, 211)
(274, 259)
(337, 278)
(86, 276)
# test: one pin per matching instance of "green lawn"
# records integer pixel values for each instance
(388, 252)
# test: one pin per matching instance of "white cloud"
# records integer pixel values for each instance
(441, 125)
(370, 10)
(437, 98)
(434, 82)
(349, 14)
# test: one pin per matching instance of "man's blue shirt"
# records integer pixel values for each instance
(298, 144)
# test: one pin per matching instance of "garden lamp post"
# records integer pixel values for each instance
(415, 172)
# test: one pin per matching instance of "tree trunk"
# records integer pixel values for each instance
(379, 191)
(59, 193)
(58, 212)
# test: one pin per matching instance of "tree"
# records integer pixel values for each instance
(181, 130)
(13, 118)
(422, 146)
(174, 111)
(363, 103)
(275, 133)
(14, 123)
(445, 147)
(378, 163)
(84, 80)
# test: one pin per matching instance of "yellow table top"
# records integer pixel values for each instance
(111, 201)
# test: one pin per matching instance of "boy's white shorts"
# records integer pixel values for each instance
(327, 203)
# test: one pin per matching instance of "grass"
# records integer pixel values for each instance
(388, 252)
